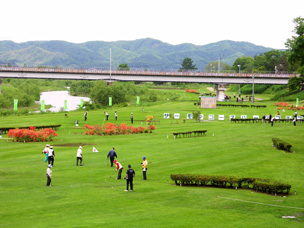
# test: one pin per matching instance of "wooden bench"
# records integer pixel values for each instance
(189, 133)
(246, 120)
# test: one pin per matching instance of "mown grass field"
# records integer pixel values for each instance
(87, 197)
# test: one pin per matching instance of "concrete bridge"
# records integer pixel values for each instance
(221, 79)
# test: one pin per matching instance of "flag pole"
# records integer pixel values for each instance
(91, 167)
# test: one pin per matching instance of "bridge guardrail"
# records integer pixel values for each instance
(155, 73)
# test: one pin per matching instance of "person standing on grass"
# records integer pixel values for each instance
(132, 118)
(119, 168)
(115, 115)
(79, 156)
(129, 176)
(112, 154)
(272, 120)
(46, 152)
(144, 166)
(85, 116)
(49, 175)
(270, 117)
(107, 115)
(294, 120)
(51, 156)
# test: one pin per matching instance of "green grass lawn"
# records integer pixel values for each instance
(87, 197)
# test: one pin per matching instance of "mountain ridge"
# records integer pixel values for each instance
(140, 53)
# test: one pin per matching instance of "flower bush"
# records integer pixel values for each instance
(192, 91)
(149, 118)
(32, 135)
(281, 106)
(112, 129)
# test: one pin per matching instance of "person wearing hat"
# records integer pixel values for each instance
(51, 156)
(129, 176)
(79, 156)
(119, 168)
(144, 165)
(112, 154)
(132, 118)
(49, 175)
(46, 152)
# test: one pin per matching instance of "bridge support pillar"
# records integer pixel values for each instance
(220, 92)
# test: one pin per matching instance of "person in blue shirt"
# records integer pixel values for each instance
(112, 154)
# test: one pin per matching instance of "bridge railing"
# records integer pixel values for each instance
(145, 72)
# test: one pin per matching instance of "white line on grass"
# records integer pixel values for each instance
(261, 203)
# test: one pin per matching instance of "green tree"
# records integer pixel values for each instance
(123, 66)
(213, 67)
(187, 65)
(245, 63)
(295, 46)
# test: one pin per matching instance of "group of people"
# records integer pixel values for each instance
(130, 172)
(107, 116)
(49, 157)
(271, 118)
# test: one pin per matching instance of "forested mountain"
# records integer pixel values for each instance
(142, 53)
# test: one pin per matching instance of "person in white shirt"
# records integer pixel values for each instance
(49, 175)
(79, 156)
(51, 156)
(46, 152)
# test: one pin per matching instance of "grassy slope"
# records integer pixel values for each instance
(84, 197)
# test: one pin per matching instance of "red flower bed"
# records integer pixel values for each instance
(32, 135)
(112, 129)
(192, 91)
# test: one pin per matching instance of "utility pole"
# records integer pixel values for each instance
(110, 65)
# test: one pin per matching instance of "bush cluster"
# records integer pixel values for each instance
(112, 129)
(32, 135)
(281, 145)
(257, 184)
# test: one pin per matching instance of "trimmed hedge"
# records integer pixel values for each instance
(257, 184)
(281, 145)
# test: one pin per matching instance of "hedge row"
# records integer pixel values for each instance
(257, 184)
(243, 106)
(281, 145)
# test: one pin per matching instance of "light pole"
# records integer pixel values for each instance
(252, 88)
(239, 84)
(110, 65)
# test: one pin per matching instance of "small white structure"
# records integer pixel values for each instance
(177, 116)
(299, 117)
(277, 117)
(232, 117)
(244, 117)
(221, 117)
(166, 115)
(256, 117)
(189, 116)
(201, 116)
(211, 117)
(288, 117)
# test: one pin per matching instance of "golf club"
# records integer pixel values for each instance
(112, 174)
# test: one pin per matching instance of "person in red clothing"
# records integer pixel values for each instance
(119, 168)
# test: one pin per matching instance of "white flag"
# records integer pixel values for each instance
(94, 149)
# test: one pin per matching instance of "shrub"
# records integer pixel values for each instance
(260, 185)
(32, 135)
(281, 145)
(112, 129)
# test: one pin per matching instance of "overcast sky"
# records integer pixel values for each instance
(267, 23)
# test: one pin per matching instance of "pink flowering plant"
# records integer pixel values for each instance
(32, 135)
(112, 129)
